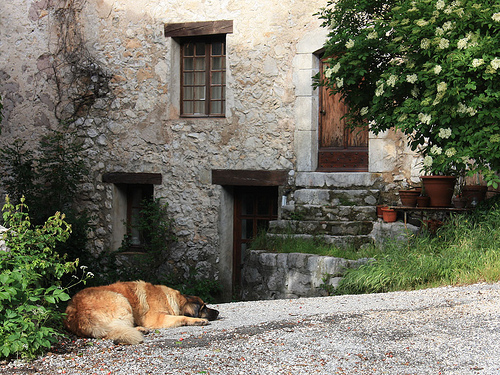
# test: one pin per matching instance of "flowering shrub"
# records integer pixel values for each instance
(430, 68)
(30, 282)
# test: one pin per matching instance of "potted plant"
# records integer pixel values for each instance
(430, 69)
(459, 200)
(423, 199)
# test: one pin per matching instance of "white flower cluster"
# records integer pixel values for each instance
(436, 150)
(462, 108)
(496, 17)
(412, 78)
(424, 118)
(444, 133)
(495, 63)
(450, 152)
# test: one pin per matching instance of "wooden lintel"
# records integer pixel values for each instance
(249, 177)
(132, 178)
(186, 29)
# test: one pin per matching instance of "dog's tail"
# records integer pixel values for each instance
(122, 333)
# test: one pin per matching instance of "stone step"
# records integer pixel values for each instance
(331, 228)
(337, 197)
(338, 241)
(339, 180)
(338, 213)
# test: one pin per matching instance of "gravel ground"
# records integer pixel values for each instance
(450, 330)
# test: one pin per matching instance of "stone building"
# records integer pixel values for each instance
(207, 105)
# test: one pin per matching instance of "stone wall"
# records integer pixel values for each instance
(280, 275)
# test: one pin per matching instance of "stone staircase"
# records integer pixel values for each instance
(339, 207)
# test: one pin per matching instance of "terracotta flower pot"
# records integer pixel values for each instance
(474, 194)
(439, 189)
(379, 209)
(409, 197)
(459, 202)
(423, 201)
(389, 215)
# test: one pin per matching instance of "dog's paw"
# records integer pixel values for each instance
(144, 330)
(201, 322)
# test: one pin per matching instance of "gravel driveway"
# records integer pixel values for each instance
(450, 330)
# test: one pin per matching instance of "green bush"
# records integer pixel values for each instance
(30, 286)
(48, 178)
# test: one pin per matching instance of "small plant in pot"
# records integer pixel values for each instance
(423, 199)
(459, 200)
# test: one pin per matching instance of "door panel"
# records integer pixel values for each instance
(254, 207)
(340, 148)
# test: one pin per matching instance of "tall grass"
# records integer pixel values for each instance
(463, 251)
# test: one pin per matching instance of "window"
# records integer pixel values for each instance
(202, 66)
(130, 191)
(136, 196)
(203, 78)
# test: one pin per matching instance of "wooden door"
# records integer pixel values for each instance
(254, 207)
(341, 149)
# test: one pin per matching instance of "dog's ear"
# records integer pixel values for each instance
(191, 306)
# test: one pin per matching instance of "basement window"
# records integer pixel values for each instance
(130, 192)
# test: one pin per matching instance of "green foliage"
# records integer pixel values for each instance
(465, 250)
(156, 224)
(30, 286)
(427, 67)
(48, 178)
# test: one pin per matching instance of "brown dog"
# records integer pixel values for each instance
(122, 310)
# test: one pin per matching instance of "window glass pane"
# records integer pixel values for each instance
(199, 107)
(188, 63)
(200, 78)
(199, 93)
(263, 206)
(200, 49)
(215, 108)
(247, 204)
(188, 108)
(216, 78)
(217, 48)
(199, 63)
(216, 63)
(188, 93)
(246, 229)
(188, 49)
(216, 93)
(188, 78)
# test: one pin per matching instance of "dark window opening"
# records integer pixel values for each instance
(136, 194)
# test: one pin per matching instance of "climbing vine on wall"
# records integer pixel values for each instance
(82, 84)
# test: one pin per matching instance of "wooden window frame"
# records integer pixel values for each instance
(210, 31)
(209, 71)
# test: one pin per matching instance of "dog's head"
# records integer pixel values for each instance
(196, 308)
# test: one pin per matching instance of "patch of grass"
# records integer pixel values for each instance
(288, 244)
(465, 250)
